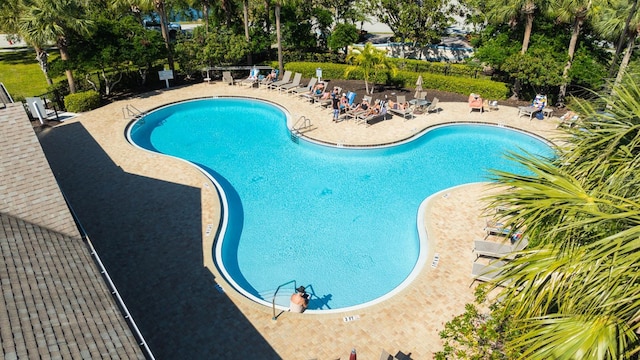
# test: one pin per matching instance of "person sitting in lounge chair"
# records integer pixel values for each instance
(344, 102)
(374, 110)
(272, 75)
(398, 106)
(318, 90)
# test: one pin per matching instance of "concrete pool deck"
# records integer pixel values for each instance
(120, 196)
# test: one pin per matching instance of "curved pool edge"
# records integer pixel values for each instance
(425, 248)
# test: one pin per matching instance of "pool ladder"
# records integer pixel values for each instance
(302, 123)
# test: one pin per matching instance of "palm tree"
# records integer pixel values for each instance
(501, 11)
(42, 21)
(621, 21)
(576, 292)
(576, 12)
(370, 60)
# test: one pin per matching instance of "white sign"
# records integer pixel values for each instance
(165, 75)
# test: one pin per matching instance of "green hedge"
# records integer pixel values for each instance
(82, 101)
(462, 85)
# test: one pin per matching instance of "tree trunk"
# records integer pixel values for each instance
(623, 35)
(625, 60)
(42, 58)
(279, 39)
(245, 12)
(64, 56)
(527, 33)
(159, 4)
(572, 49)
(267, 6)
(205, 15)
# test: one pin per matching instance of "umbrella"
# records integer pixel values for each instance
(418, 86)
(353, 355)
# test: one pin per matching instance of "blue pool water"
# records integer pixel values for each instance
(340, 221)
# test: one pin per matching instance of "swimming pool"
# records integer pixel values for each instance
(340, 221)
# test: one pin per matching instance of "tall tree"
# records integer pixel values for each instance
(501, 11)
(620, 21)
(245, 13)
(574, 12)
(44, 21)
(277, 8)
(159, 7)
(418, 21)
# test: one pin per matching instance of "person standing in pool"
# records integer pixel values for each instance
(299, 300)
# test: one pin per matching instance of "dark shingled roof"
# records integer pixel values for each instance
(54, 301)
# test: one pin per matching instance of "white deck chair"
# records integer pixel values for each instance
(406, 113)
(433, 106)
(497, 250)
(227, 78)
(292, 85)
(483, 272)
(305, 91)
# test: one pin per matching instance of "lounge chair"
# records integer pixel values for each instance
(433, 106)
(536, 106)
(356, 111)
(291, 85)
(252, 79)
(227, 78)
(305, 90)
(264, 82)
(367, 119)
(497, 250)
(407, 112)
(327, 102)
(285, 80)
(490, 105)
(483, 272)
(475, 102)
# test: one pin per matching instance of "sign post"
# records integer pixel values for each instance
(166, 75)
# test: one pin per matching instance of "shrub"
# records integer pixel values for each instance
(462, 85)
(82, 101)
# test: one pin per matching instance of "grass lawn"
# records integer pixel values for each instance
(21, 75)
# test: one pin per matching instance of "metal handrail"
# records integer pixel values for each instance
(131, 110)
(273, 302)
(302, 123)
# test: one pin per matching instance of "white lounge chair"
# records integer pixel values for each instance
(433, 106)
(407, 112)
(484, 272)
(304, 90)
(292, 85)
(227, 78)
(497, 250)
